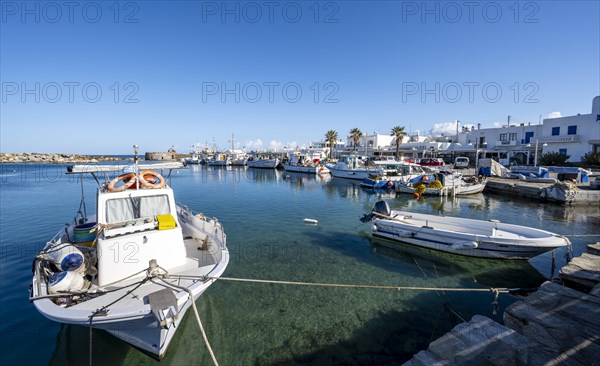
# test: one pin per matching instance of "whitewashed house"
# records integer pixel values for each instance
(573, 135)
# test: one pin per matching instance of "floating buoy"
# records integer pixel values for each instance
(311, 221)
(416, 195)
(390, 183)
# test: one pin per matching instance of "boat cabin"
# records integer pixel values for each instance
(137, 225)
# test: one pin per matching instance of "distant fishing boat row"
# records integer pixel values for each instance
(403, 176)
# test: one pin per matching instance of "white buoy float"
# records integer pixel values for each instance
(311, 221)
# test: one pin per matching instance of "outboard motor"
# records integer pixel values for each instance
(382, 208)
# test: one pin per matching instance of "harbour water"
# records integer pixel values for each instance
(262, 212)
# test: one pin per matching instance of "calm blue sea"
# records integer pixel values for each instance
(262, 212)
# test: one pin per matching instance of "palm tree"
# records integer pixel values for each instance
(398, 132)
(331, 137)
(356, 135)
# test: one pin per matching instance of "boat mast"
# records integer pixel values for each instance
(135, 165)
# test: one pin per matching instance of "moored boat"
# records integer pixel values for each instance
(136, 266)
(302, 163)
(265, 163)
(450, 184)
(352, 167)
(469, 237)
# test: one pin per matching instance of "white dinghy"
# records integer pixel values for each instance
(135, 267)
(469, 237)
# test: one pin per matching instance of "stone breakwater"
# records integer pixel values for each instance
(55, 158)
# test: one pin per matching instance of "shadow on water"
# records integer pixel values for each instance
(496, 273)
(72, 347)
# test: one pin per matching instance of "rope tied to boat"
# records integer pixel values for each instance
(495, 302)
(383, 287)
(199, 321)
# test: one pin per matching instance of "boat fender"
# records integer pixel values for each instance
(66, 257)
(311, 221)
(65, 282)
(374, 228)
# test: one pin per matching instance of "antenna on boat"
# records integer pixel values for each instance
(135, 164)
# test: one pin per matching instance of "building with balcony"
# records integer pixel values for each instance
(573, 135)
(517, 143)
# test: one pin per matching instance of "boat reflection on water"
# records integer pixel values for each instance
(381, 193)
(437, 265)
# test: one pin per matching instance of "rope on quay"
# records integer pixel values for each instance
(383, 287)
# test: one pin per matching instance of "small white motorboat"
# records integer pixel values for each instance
(469, 237)
(265, 163)
(135, 267)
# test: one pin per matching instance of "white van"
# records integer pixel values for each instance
(461, 162)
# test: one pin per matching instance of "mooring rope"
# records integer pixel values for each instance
(191, 298)
(384, 287)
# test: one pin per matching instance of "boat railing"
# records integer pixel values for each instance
(206, 224)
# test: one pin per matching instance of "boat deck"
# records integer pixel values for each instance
(198, 263)
(452, 224)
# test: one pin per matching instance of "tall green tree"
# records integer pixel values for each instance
(331, 137)
(356, 134)
(398, 132)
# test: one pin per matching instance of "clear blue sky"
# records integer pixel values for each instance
(356, 63)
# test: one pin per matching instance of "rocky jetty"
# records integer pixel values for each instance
(55, 158)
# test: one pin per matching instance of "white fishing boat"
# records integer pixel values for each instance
(195, 155)
(303, 163)
(469, 237)
(265, 163)
(136, 266)
(219, 160)
(352, 167)
(451, 184)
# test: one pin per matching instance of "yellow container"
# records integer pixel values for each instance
(166, 222)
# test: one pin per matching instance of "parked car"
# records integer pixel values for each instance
(432, 162)
(461, 162)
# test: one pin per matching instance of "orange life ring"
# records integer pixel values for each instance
(149, 178)
(128, 180)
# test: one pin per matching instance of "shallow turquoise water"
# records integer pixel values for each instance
(262, 212)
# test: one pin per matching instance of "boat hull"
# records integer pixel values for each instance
(358, 174)
(504, 241)
(263, 163)
(305, 169)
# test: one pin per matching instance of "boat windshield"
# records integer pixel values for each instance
(131, 208)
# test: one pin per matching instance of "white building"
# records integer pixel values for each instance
(573, 135)
(376, 141)
(517, 143)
